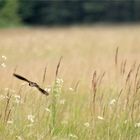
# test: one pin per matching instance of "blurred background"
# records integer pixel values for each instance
(66, 12)
(35, 33)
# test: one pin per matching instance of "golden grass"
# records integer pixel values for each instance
(91, 65)
(83, 48)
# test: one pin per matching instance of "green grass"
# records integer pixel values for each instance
(101, 107)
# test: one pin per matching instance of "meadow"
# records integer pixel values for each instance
(94, 90)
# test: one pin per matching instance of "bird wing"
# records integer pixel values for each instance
(20, 77)
(41, 90)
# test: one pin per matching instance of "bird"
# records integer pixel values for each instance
(31, 84)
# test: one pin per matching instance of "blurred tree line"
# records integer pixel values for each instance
(54, 12)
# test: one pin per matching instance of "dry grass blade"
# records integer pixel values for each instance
(137, 85)
(76, 85)
(128, 96)
(134, 65)
(120, 93)
(130, 72)
(94, 88)
(128, 76)
(101, 78)
(57, 68)
(44, 75)
(7, 106)
(15, 69)
(124, 66)
(116, 56)
(94, 82)
(137, 72)
(8, 115)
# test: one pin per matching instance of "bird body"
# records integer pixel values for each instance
(31, 84)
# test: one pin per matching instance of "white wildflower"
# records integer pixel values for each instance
(64, 122)
(59, 81)
(137, 125)
(71, 89)
(62, 102)
(29, 125)
(19, 137)
(48, 89)
(2, 97)
(17, 96)
(48, 110)
(125, 122)
(86, 124)
(58, 87)
(18, 99)
(31, 118)
(10, 122)
(23, 84)
(12, 90)
(100, 118)
(73, 136)
(112, 102)
(6, 89)
(3, 65)
(4, 57)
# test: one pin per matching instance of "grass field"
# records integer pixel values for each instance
(94, 96)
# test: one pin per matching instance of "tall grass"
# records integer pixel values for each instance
(56, 91)
(101, 105)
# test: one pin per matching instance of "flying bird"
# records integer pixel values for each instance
(31, 84)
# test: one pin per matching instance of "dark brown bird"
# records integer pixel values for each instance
(31, 84)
